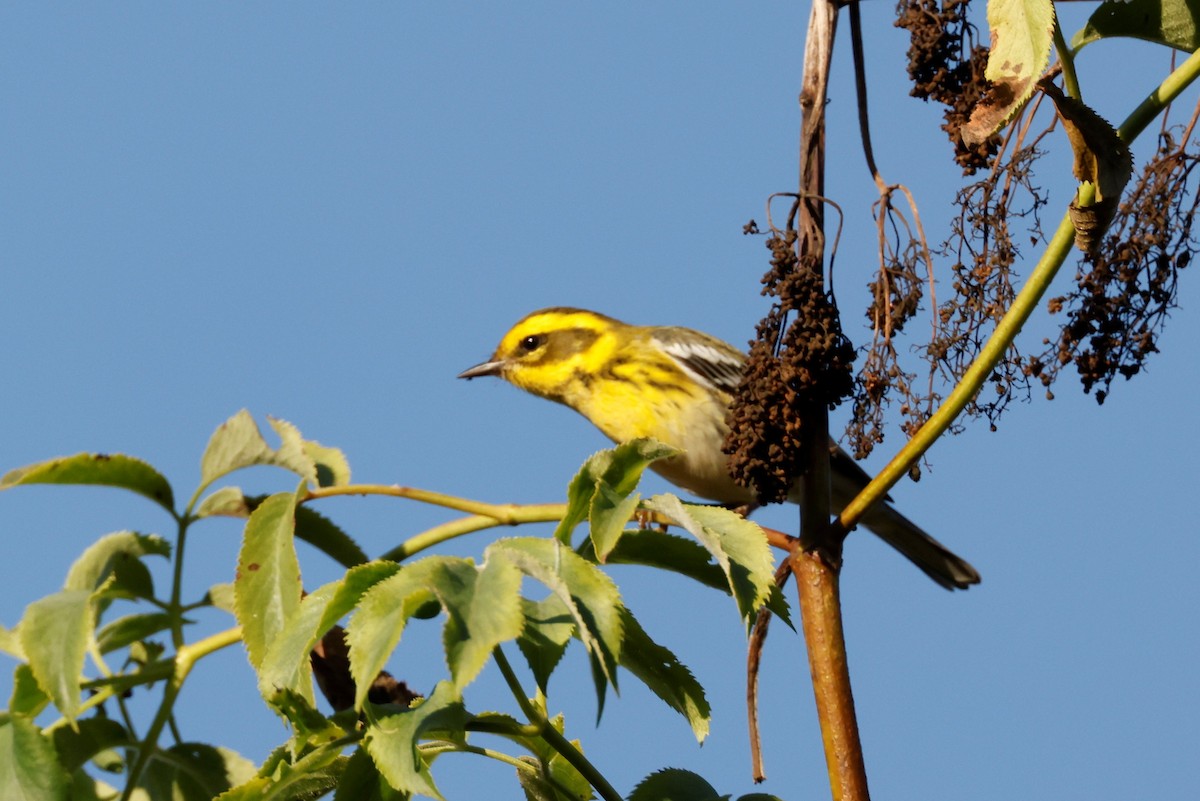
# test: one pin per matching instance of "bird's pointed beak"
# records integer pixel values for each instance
(480, 370)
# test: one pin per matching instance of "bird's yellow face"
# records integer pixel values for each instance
(552, 352)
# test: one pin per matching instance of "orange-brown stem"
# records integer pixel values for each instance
(821, 620)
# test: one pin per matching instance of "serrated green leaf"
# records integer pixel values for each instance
(589, 595)
(392, 741)
(659, 549)
(28, 699)
(759, 797)
(609, 513)
(267, 585)
(321, 533)
(665, 675)
(286, 664)
(332, 468)
(225, 502)
(195, 772)
(254, 790)
(361, 781)
(328, 538)
(100, 560)
(238, 443)
(618, 468)
(29, 769)
(1022, 32)
(548, 629)
(89, 737)
(310, 728)
(482, 605)
(54, 635)
(673, 784)
(738, 545)
(109, 470)
(383, 612)
(131, 628)
(484, 610)
(1168, 22)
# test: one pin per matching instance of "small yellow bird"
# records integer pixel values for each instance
(675, 385)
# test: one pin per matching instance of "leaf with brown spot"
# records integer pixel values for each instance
(1022, 31)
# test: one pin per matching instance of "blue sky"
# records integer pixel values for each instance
(325, 213)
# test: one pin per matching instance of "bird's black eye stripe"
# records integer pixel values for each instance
(531, 343)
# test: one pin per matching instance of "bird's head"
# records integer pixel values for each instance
(551, 351)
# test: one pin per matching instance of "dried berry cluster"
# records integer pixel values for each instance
(896, 294)
(1128, 286)
(791, 369)
(947, 67)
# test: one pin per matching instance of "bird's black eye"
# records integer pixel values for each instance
(531, 343)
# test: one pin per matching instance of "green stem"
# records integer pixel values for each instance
(185, 659)
(1067, 60)
(1023, 305)
(551, 735)
(175, 606)
(543, 513)
(505, 512)
(1180, 79)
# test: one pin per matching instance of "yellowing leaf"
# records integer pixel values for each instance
(1022, 31)
(1101, 160)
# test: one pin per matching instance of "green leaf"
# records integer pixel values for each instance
(54, 635)
(222, 597)
(311, 728)
(739, 546)
(28, 699)
(618, 468)
(1022, 32)
(332, 468)
(89, 737)
(195, 772)
(588, 594)
(103, 557)
(29, 769)
(609, 513)
(673, 784)
(130, 629)
(267, 584)
(238, 443)
(659, 549)
(286, 664)
(324, 535)
(392, 741)
(361, 781)
(109, 470)
(484, 608)
(225, 502)
(279, 780)
(548, 629)
(1167, 22)
(666, 676)
(759, 797)
(556, 772)
(10, 643)
(375, 630)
